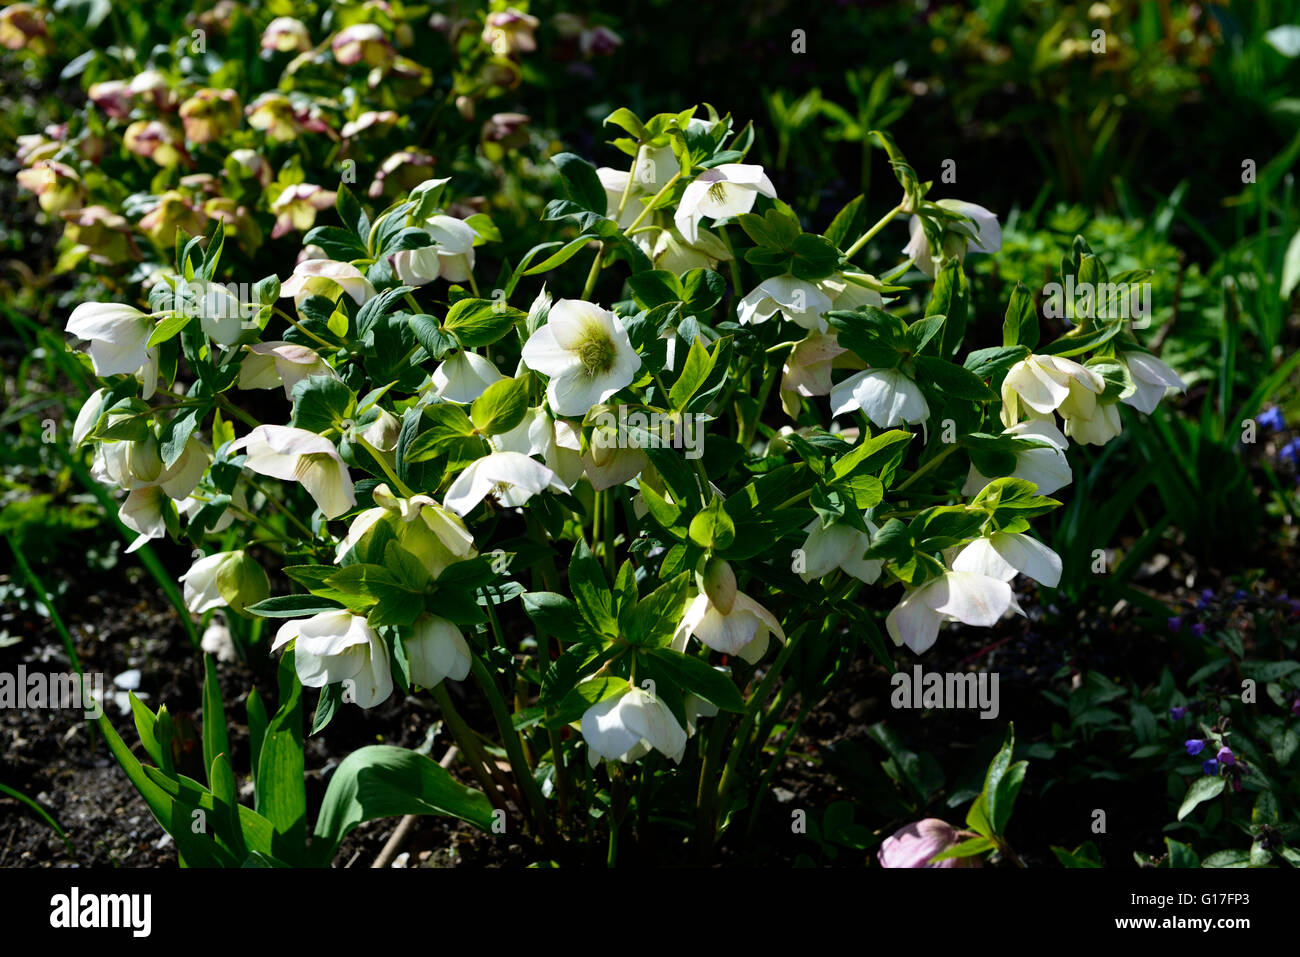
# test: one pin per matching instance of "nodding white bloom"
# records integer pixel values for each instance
(610, 459)
(956, 242)
(88, 416)
(142, 512)
(1003, 555)
(318, 276)
(296, 455)
(585, 352)
(269, 364)
(555, 440)
(803, 303)
(1047, 384)
(846, 294)
(615, 182)
(183, 476)
(132, 465)
(451, 257)
(284, 34)
(726, 190)
(219, 310)
(629, 724)
(1153, 379)
(339, 646)
(128, 464)
(226, 578)
(807, 370)
(839, 546)
(1095, 424)
(509, 477)
(464, 377)
(968, 597)
(669, 250)
(1046, 466)
(296, 207)
(436, 650)
(744, 629)
(434, 535)
(887, 396)
(118, 335)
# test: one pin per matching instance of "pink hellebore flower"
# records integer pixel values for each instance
(296, 207)
(916, 844)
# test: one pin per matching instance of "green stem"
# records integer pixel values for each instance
(231, 409)
(510, 738)
(653, 202)
(928, 467)
(387, 469)
(764, 391)
(303, 329)
(467, 742)
(867, 236)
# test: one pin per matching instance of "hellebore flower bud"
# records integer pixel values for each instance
(916, 844)
(718, 581)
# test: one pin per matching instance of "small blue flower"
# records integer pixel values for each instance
(1194, 746)
(1290, 452)
(1178, 712)
(1175, 624)
(1198, 630)
(1226, 756)
(1239, 595)
(1272, 418)
(1210, 767)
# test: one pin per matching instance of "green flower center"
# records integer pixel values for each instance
(596, 352)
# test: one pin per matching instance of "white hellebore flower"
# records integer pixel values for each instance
(803, 303)
(296, 455)
(1003, 555)
(339, 646)
(585, 352)
(1047, 384)
(451, 257)
(840, 546)
(726, 190)
(310, 277)
(555, 440)
(464, 377)
(625, 726)
(956, 243)
(887, 396)
(968, 597)
(435, 651)
(226, 578)
(434, 535)
(510, 477)
(744, 629)
(1045, 466)
(269, 364)
(118, 334)
(1152, 377)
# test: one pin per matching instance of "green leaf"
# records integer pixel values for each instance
(215, 738)
(169, 327)
(953, 380)
(280, 791)
(1020, 326)
(321, 403)
(699, 363)
(969, 848)
(696, 676)
(291, 606)
(501, 406)
(562, 255)
(713, 528)
(581, 184)
(1203, 789)
(656, 617)
(384, 781)
(480, 322)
